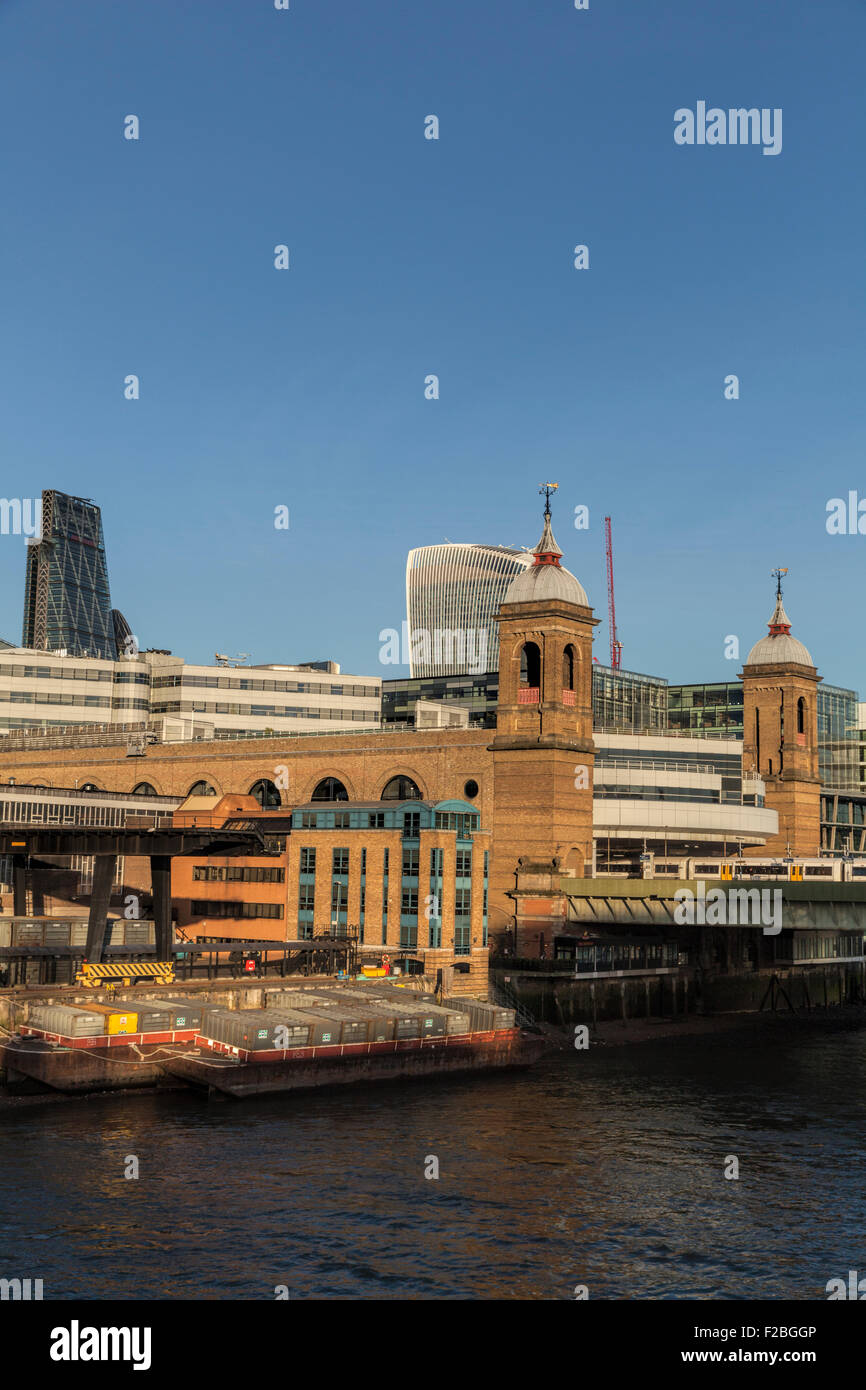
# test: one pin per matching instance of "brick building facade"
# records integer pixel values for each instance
(780, 734)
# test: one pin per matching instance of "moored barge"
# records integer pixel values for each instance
(338, 1037)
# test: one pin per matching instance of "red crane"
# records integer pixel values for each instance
(615, 645)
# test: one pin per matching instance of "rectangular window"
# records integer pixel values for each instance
(412, 824)
(433, 910)
(464, 863)
(233, 873)
(308, 860)
(341, 820)
(409, 901)
(340, 862)
(484, 904)
(410, 862)
(376, 820)
(224, 909)
(307, 897)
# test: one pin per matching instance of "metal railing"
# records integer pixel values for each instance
(629, 727)
(651, 765)
(505, 997)
(9, 791)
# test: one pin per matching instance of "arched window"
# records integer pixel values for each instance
(801, 715)
(201, 789)
(400, 789)
(266, 793)
(330, 789)
(530, 665)
(144, 789)
(568, 668)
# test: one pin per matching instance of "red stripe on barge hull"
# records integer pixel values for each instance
(101, 1041)
(362, 1049)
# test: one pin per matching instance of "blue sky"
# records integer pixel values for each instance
(306, 387)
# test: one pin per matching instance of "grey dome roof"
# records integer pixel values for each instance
(546, 579)
(783, 647)
(779, 645)
(546, 582)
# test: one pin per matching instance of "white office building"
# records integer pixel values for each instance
(49, 693)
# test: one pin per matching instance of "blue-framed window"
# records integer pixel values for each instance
(433, 907)
(340, 887)
(462, 921)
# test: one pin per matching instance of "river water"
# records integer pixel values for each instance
(603, 1168)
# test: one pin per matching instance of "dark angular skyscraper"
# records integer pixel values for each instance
(67, 603)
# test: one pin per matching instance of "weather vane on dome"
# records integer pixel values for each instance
(547, 489)
(777, 575)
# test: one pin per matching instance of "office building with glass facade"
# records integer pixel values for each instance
(67, 603)
(673, 795)
(621, 700)
(838, 738)
(625, 700)
(477, 694)
(709, 710)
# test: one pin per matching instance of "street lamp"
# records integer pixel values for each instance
(512, 923)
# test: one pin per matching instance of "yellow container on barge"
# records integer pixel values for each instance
(116, 1020)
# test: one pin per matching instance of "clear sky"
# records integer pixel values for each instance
(408, 256)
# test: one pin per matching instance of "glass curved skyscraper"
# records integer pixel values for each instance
(452, 594)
